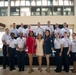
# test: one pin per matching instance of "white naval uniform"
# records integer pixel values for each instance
(37, 30)
(73, 45)
(5, 37)
(20, 29)
(27, 31)
(65, 30)
(57, 30)
(51, 29)
(21, 55)
(14, 31)
(11, 42)
(11, 51)
(20, 42)
(66, 42)
(57, 43)
(24, 32)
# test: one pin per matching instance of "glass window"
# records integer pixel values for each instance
(17, 3)
(22, 2)
(6, 3)
(60, 2)
(66, 2)
(15, 11)
(3, 11)
(71, 2)
(12, 3)
(47, 11)
(68, 11)
(1, 3)
(36, 11)
(33, 2)
(49, 2)
(44, 2)
(25, 11)
(55, 2)
(58, 11)
(28, 2)
(38, 2)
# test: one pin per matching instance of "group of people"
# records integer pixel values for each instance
(41, 42)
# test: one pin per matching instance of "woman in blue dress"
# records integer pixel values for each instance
(48, 47)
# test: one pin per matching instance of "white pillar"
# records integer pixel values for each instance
(9, 3)
(75, 7)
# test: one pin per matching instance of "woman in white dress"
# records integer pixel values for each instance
(39, 49)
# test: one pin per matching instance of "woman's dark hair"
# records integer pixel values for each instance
(65, 32)
(30, 32)
(48, 35)
(38, 38)
(74, 34)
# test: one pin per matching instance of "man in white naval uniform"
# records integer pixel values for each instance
(14, 30)
(38, 29)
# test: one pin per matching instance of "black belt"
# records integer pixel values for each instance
(11, 47)
(65, 47)
(57, 49)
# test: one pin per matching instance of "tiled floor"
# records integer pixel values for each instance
(36, 72)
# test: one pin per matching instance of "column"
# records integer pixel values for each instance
(75, 7)
(9, 3)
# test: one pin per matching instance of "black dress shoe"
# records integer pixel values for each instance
(14, 68)
(71, 69)
(63, 69)
(19, 70)
(57, 71)
(66, 71)
(11, 69)
(22, 69)
(4, 67)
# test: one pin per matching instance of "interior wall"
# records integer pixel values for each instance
(71, 20)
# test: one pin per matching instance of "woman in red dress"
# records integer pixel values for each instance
(30, 47)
